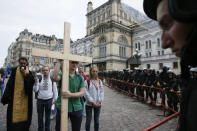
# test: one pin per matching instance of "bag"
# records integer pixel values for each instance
(36, 93)
(88, 82)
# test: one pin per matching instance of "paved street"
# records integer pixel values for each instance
(119, 113)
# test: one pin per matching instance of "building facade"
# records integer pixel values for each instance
(23, 45)
(118, 31)
(114, 33)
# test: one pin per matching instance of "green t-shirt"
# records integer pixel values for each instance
(75, 83)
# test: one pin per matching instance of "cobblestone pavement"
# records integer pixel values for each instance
(119, 113)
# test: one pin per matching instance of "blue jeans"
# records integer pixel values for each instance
(44, 106)
(82, 102)
(89, 117)
(75, 117)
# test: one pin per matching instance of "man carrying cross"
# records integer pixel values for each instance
(65, 57)
(76, 90)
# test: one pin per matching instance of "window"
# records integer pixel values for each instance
(158, 42)
(90, 22)
(175, 65)
(91, 50)
(109, 13)
(98, 18)
(148, 66)
(146, 44)
(94, 20)
(27, 52)
(119, 51)
(162, 52)
(120, 13)
(160, 65)
(85, 51)
(102, 51)
(149, 43)
(122, 51)
(103, 16)
(150, 54)
(146, 54)
(102, 30)
(102, 39)
(158, 53)
(138, 46)
(125, 16)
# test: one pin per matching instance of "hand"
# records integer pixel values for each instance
(67, 94)
(94, 104)
(98, 104)
(54, 102)
(23, 70)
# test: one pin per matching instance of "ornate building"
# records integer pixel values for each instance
(23, 45)
(117, 30)
(114, 33)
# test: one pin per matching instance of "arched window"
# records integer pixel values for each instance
(102, 40)
(122, 39)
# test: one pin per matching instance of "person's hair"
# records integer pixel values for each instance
(2, 71)
(91, 77)
(45, 66)
(23, 58)
(80, 65)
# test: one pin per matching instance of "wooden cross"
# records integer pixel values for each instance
(65, 56)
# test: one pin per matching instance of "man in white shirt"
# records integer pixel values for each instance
(46, 96)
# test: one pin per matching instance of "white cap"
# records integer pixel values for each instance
(170, 71)
(194, 69)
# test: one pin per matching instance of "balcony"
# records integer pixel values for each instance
(158, 58)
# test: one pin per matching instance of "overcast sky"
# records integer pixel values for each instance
(45, 17)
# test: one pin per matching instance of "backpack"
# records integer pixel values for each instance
(88, 82)
(40, 79)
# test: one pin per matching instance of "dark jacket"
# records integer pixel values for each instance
(188, 107)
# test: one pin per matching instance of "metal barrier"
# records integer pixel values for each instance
(161, 122)
(113, 83)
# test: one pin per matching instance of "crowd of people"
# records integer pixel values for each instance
(47, 87)
(147, 84)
